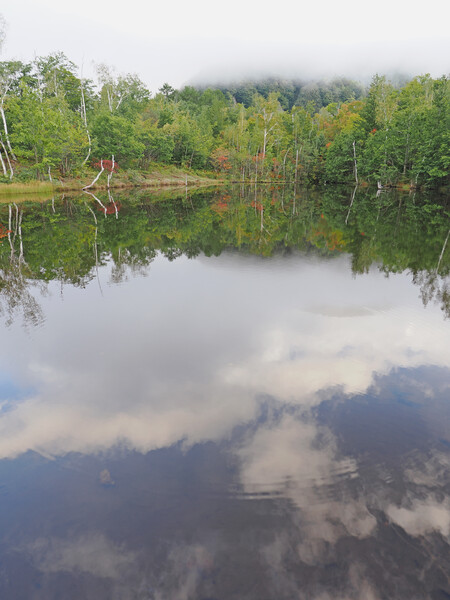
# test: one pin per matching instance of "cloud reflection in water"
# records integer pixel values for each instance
(208, 339)
(300, 402)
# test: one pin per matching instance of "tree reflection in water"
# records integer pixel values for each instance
(65, 242)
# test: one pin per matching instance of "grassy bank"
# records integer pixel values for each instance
(29, 187)
(161, 176)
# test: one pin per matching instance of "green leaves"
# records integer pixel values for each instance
(46, 132)
(115, 135)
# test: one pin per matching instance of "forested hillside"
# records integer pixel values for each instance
(56, 124)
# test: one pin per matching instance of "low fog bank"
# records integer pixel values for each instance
(400, 61)
(211, 54)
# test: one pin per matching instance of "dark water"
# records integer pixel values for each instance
(225, 395)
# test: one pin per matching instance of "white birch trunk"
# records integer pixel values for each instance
(11, 170)
(5, 127)
(108, 93)
(90, 148)
(355, 166)
(95, 243)
(351, 204)
(112, 170)
(105, 210)
(98, 175)
(111, 199)
(442, 252)
(10, 231)
(83, 112)
(21, 256)
(5, 172)
(284, 165)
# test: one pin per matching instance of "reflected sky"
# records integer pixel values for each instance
(228, 427)
(184, 352)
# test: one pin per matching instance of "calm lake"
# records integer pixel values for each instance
(226, 394)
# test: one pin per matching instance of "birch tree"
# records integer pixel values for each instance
(120, 92)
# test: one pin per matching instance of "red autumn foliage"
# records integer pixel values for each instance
(3, 231)
(257, 205)
(220, 159)
(223, 163)
(221, 205)
(107, 165)
(259, 157)
(110, 208)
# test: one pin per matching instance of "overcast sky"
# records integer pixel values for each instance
(181, 42)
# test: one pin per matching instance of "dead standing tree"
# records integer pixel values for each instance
(110, 166)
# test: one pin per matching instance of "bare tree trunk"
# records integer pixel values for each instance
(95, 243)
(83, 114)
(11, 242)
(5, 127)
(351, 204)
(5, 172)
(442, 252)
(111, 199)
(21, 257)
(98, 175)
(355, 166)
(110, 174)
(105, 210)
(11, 171)
(284, 165)
(90, 148)
(108, 93)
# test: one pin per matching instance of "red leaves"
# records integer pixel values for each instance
(221, 205)
(107, 165)
(223, 163)
(220, 159)
(3, 231)
(259, 157)
(111, 208)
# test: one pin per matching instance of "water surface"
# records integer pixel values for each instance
(225, 394)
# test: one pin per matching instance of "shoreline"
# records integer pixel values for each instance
(153, 180)
(159, 180)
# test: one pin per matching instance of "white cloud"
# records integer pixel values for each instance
(298, 461)
(90, 553)
(193, 369)
(179, 41)
(422, 516)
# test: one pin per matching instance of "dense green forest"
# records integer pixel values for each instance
(69, 238)
(56, 124)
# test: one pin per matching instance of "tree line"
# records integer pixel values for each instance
(54, 123)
